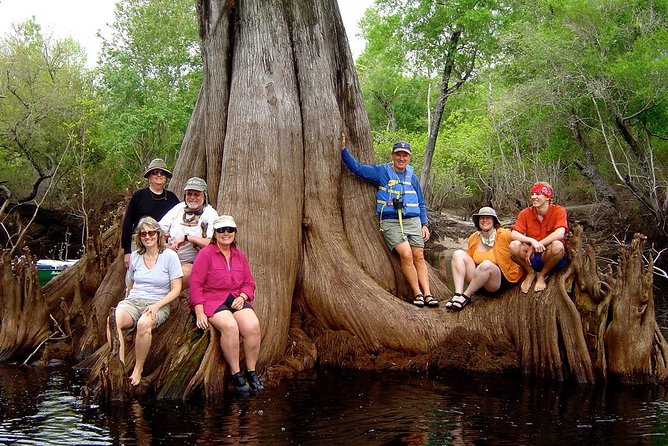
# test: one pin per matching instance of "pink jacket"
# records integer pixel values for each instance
(213, 279)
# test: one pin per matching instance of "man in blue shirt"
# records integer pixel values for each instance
(402, 212)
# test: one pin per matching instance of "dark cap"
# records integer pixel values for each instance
(401, 146)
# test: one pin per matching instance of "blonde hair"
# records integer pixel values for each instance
(154, 226)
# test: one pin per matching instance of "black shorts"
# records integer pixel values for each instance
(227, 305)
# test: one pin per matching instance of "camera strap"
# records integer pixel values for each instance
(401, 222)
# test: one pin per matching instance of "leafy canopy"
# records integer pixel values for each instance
(148, 81)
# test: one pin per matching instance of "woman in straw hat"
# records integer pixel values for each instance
(486, 263)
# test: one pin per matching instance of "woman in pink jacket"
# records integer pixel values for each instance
(221, 291)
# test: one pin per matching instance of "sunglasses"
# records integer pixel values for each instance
(227, 229)
(158, 172)
(147, 233)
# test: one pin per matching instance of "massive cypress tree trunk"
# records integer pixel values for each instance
(279, 90)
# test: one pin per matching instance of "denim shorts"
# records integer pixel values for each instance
(412, 232)
(135, 308)
(537, 262)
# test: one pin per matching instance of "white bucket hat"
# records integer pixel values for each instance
(224, 221)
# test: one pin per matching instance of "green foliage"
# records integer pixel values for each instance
(148, 82)
(99, 126)
(46, 89)
(393, 99)
(593, 61)
(431, 49)
(546, 67)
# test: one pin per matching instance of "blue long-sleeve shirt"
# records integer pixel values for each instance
(378, 174)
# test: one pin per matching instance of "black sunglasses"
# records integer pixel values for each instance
(149, 233)
(158, 172)
(226, 229)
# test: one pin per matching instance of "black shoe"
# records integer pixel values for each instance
(240, 383)
(254, 381)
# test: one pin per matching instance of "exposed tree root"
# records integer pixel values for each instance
(24, 315)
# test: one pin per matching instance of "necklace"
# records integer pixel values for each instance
(157, 197)
(488, 240)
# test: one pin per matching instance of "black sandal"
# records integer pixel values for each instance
(458, 305)
(419, 300)
(452, 300)
(430, 300)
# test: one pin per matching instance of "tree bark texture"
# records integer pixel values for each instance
(279, 90)
(24, 315)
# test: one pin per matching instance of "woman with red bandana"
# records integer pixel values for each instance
(538, 238)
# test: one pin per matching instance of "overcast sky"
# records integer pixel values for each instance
(82, 19)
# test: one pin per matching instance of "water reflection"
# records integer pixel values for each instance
(26, 384)
(40, 406)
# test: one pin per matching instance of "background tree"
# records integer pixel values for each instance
(46, 87)
(148, 78)
(583, 84)
(395, 98)
(443, 41)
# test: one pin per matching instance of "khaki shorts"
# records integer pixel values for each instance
(412, 232)
(135, 308)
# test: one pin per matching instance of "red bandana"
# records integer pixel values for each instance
(539, 188)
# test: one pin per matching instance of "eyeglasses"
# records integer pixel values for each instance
(227, 229)
(158, 172)
(147, 233)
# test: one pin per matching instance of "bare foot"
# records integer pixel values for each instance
(135, 378)
(540, 284)
(526, 283)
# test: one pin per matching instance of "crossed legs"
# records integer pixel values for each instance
(486, 275)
